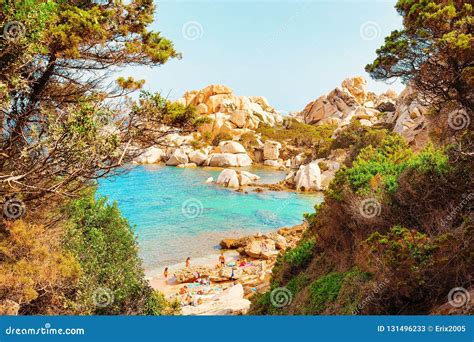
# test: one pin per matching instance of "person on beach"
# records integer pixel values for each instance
(165, 273)
(188, 261)
(183, 290)
(222, 259)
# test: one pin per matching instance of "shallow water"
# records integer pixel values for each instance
(175, 214)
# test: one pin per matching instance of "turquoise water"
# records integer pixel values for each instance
(176, 214)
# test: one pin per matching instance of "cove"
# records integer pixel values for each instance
(175, 214)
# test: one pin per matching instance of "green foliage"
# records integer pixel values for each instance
(377, 169)
(300, 134)
(434, 49)
(402, 247)
(352, 291)
(324, 291)
(355, 137)
(297, 283)
(301, 254)
(156, 305)
(106, 249)
(156, 108)
(386, 162)
(55, 60)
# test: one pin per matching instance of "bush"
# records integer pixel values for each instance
(324, 291)
(157, 305)
(299, 282)
(301, 254)
(356, 289)
(105, 247)
(34, 271)
(318, 138)
(378, 169)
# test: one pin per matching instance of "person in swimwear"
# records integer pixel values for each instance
(222, 259)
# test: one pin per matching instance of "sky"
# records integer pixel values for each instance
(290, 52)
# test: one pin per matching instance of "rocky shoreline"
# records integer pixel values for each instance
(234, 135)
(214, 289)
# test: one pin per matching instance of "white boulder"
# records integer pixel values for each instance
(308, 177)
(231, 147)
(151, 155)
(246, 177)
(243, 159)
(228, 178)
(223, 159)
(178, 157)
(234, 179)
(197, 157)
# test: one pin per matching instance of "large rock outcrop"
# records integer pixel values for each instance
(198, 157)
(229, 113)
(350, 101)
(409, 117)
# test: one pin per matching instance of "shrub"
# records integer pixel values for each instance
(324, 291)
(401, 248)
(296, 284)
(106, 249)
(318, 138)
(378, 169)
(301, 254)
(157, 305)
(34, 271)
(355, 289)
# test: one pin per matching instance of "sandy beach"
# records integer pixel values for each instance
(169, 286)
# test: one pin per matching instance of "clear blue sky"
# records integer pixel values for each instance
(290, 52)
